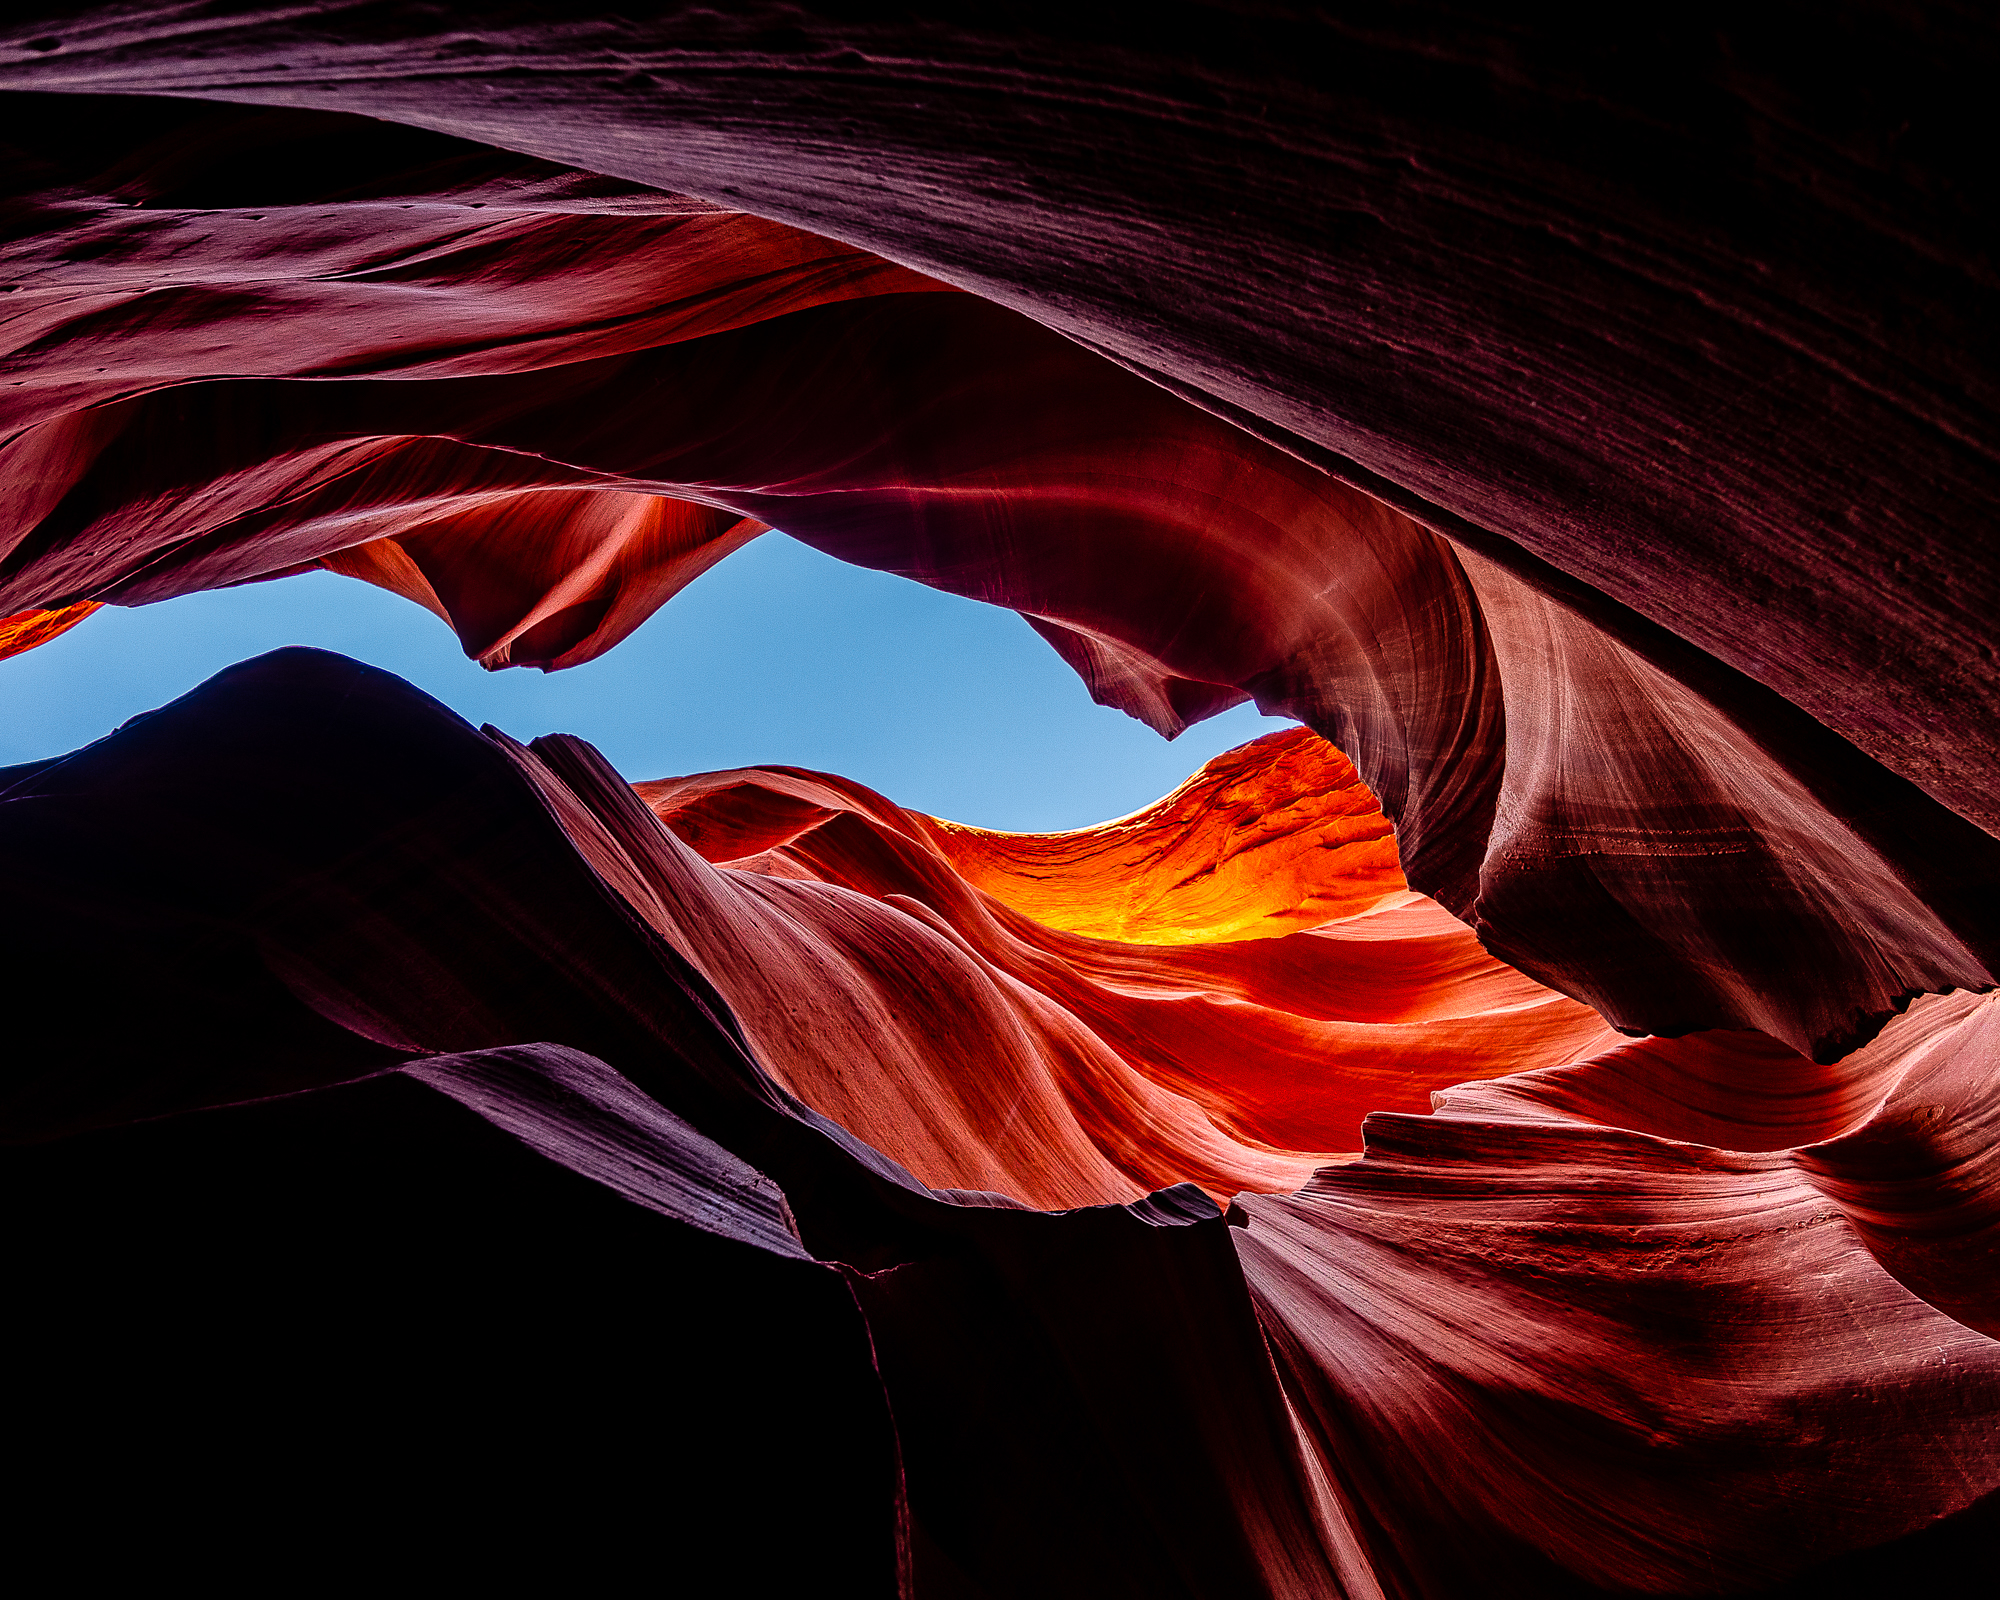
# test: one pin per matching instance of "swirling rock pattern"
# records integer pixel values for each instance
(1249, 1196)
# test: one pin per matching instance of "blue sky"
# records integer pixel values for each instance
(779, 655)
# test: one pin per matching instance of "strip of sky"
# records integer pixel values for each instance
(780, 655)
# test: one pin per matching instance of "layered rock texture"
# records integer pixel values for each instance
(1529, 1131)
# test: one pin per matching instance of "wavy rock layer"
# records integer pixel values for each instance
(990, 1049)
(1513, 1347)
(539, 401)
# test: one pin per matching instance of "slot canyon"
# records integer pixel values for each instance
(1530, 1129)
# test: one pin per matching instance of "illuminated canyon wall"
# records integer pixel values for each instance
(1530, 1131)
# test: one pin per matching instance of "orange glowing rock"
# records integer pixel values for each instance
(1268, 839)
(27, 629)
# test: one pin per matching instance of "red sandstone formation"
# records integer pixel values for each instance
(1585, 435)
(1672, 867)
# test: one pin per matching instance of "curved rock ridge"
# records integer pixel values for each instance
(1458, 1335)
(1529, 1342)
(985, 1048)
(1718, 1165)
(549, 579)
(1900, 1135)
(1276, 836)
(538, 401)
